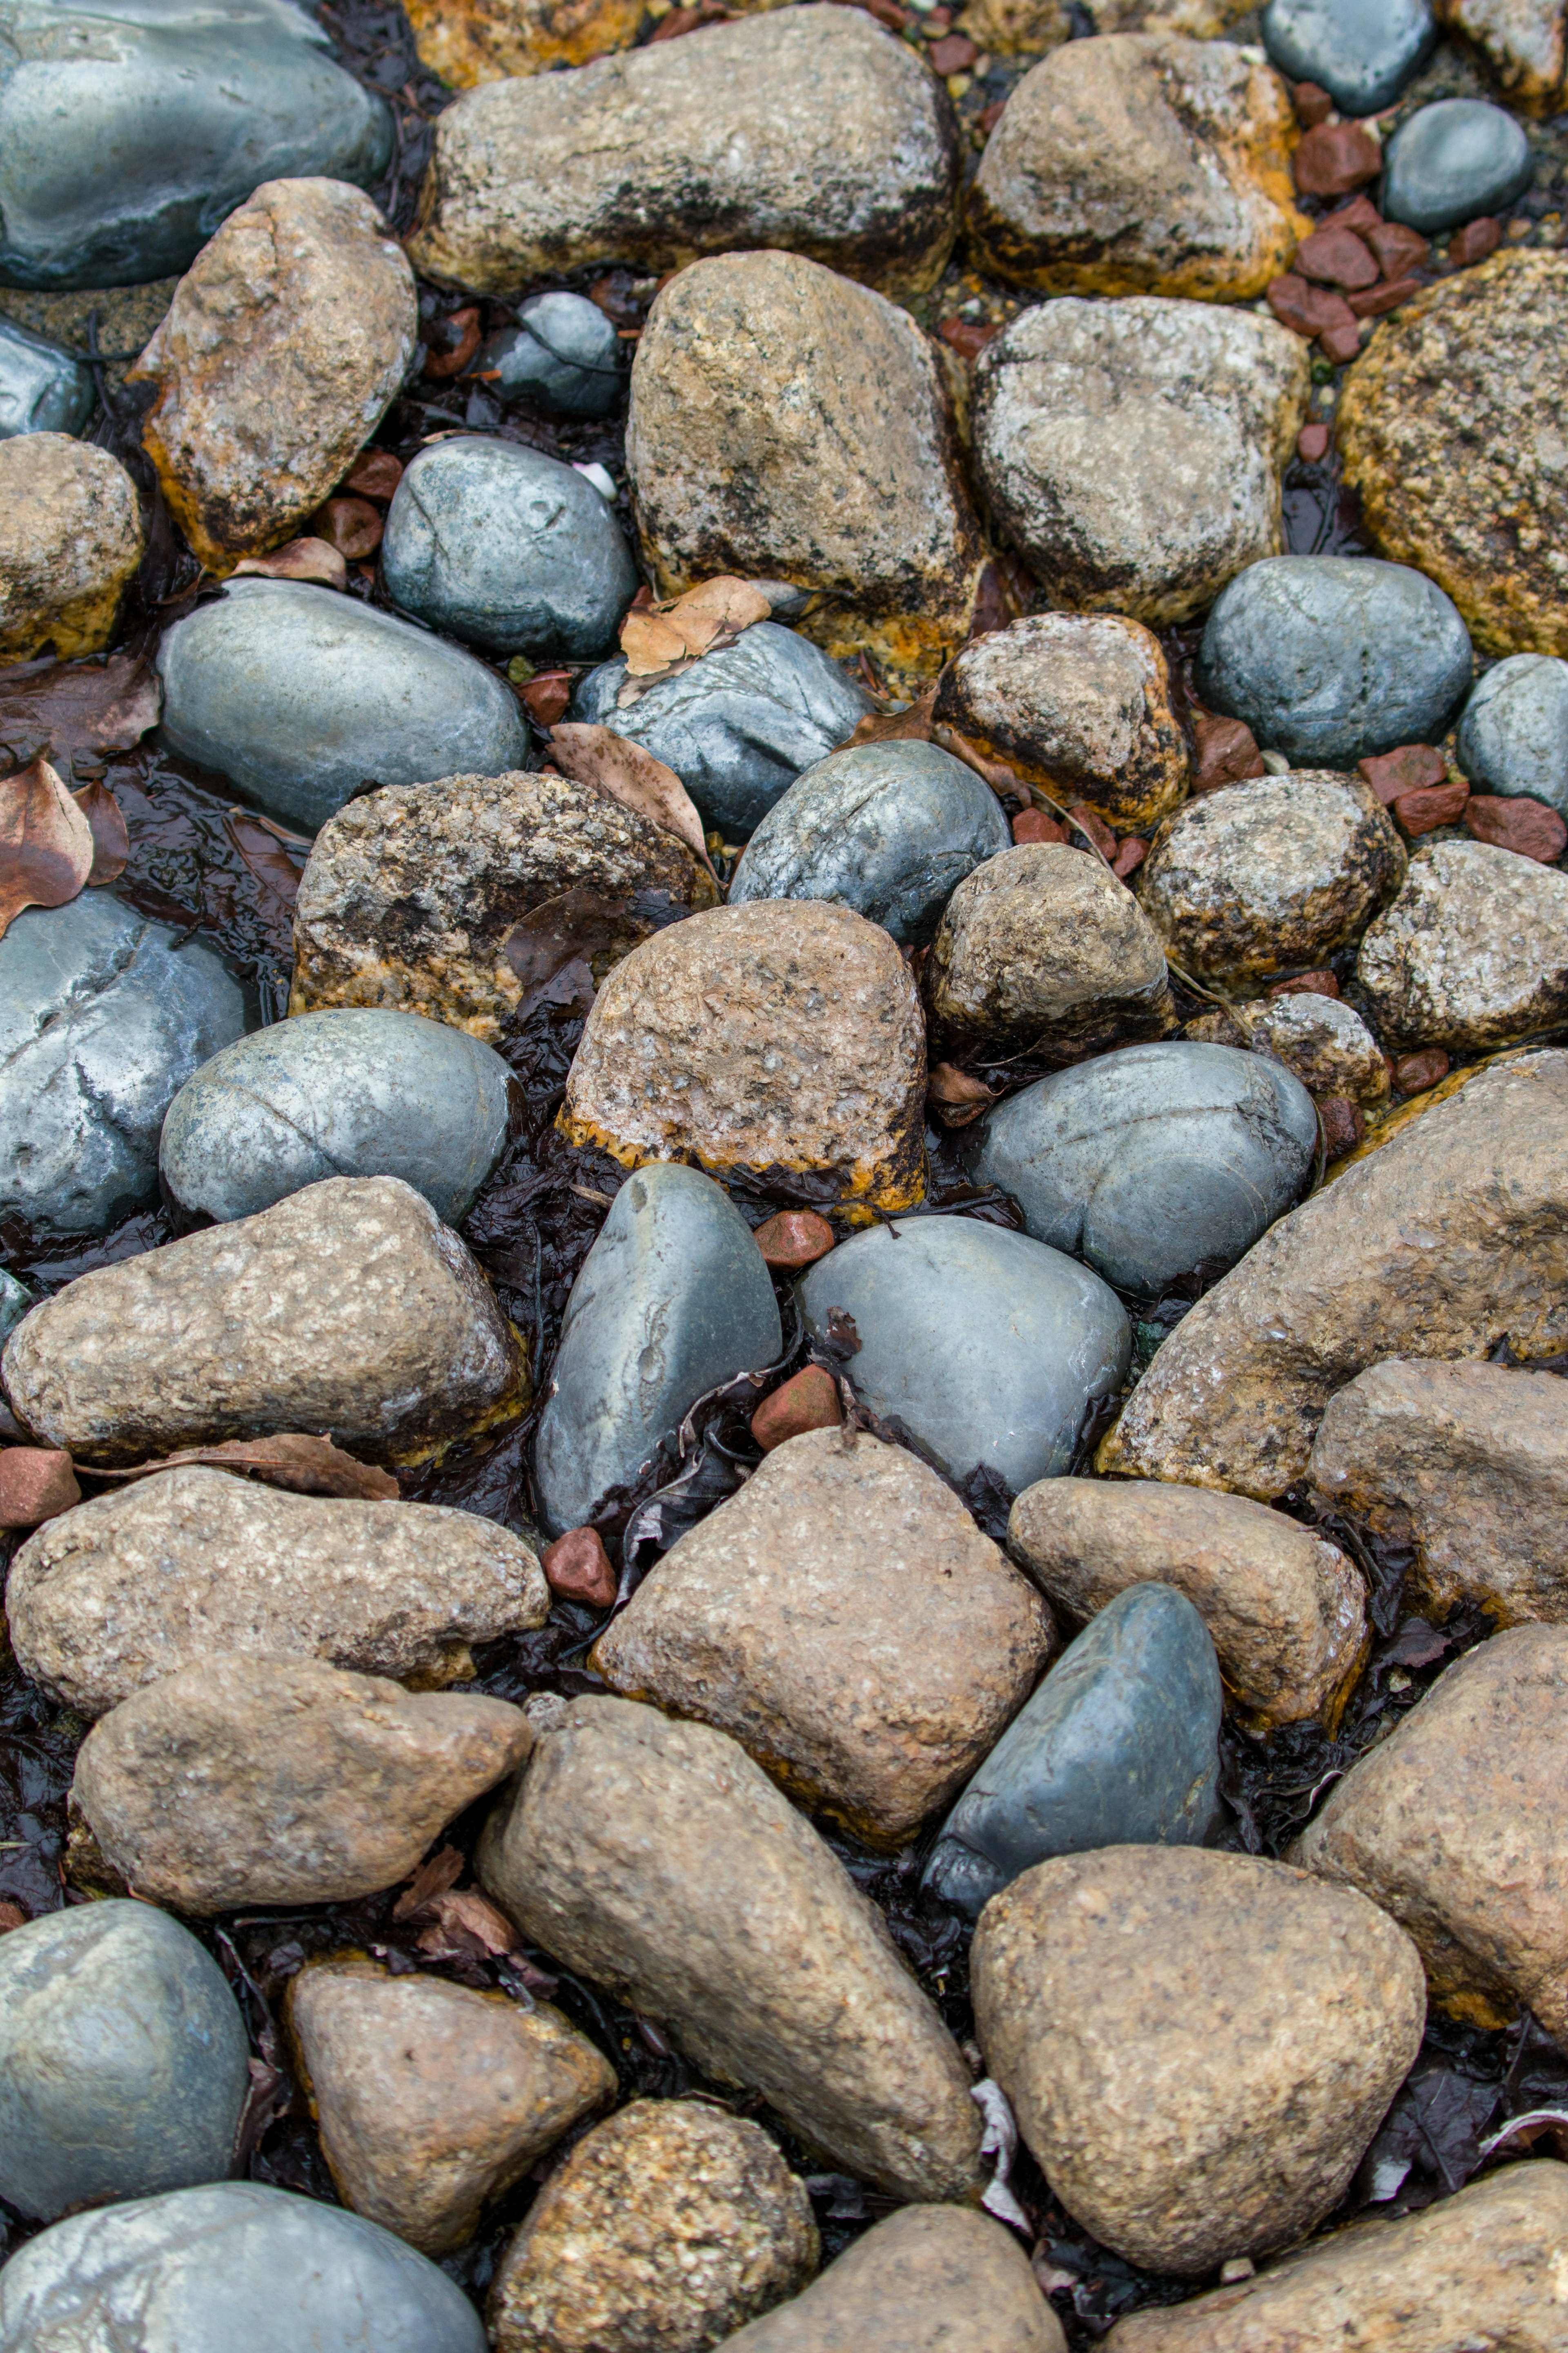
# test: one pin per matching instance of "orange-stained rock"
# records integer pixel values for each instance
(808, 1400)
(71, 540)
(488, 40)
(794, 1238)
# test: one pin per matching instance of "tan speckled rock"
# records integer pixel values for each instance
(785, 1034)
(246, 1780)
(1521, 42)
(1080, 704)
(1473, 951)
(1323, 1041)
(155, 1575)
(845, 1620)
(714, 1907)
(929, 2279)
(1286, 1610)
(1199, 2046)
(410, 894)
(476, 41)
(667, 2228)
(1457, 416)
(349, 1309)
(71, 539)
(787, 424)
(431, 2098)
(289, 336)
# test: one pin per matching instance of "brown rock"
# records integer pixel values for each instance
(1399, 249)
(1333, 158)
(845, 1621)
(1311, 447)
(1342, 1125)
(351, 525)
(374, 474)
(1326, 1044)
(669, 2226)
(1313, 104)
(1321, 983)
(1130, 852)
(1413, 768)
(1434, 804)
(71, 540)
(579, 1569)
(1198, 2047)
(37, 1482)
(1285, 1609)
(1414, 1073)
(1474, 242)
(242, 1781)
(1530, 828)
(929, 2279)
(1310, 309)
(1472, 953)
(1453, 1824)
(1227, 751)
(1416, 1249)
(486, 40)
(287, 339)
(431, 2099)
(1381, 299)
(1336, 257)
(808, 1400)
(1522, 44)
(785, 1035)
(1034, 825)
(794, 1238)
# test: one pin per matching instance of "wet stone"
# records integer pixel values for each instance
(564, 355)
(1513, 736)
(1363, 59)
(1521, 44)
(123, 2059)
(1324, 1043)
(71, 540)
(1473, 952)
(43, 390)
(928, 2279)
(1452, 162)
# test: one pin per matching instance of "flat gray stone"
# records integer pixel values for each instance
(985, 1346)
(564, 355)
(1149, 1160)
(673, 1298)
(1363, 57)
(1119, 1746)
(353, 1091)
(42, 388)
(890, 829)
(1332, 658)
(507, 548)
(300, 697)
(210, 2270)
(1513, 736)
(123, 2059)
(1452, 162)
(102, 1020)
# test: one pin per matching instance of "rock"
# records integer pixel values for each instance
(71, 539)
(1146, 1162)
(673, 1299)
(349, 1308)
(175, 110)
(1458, 413)
(123, 2059)
(1256, 878)
(808, 1400)
(1133, 448)
(845, 1621)
(717, 1910)
(1363, 61)
(1414, 1250)
(412, 896)
(563, 355)
(507, 548)
(42, 388)
(300, 698)
(1521, 44)
(1471, 953)
(1330, 658)
(345, 1093)
(785, 1039)
(1284, 1608)
(104, 1017)
(220, 2265)
(1140, 163)
(153, 1578)
(485, 41)
(793, 1240)
(985, 1347)
(432, 2099)
(928, 2279)
(1447, 162)
(740, 726)
(890, 829)
(808, 128)
(1119, 1746)
(579, 1569)
(1041, 951)
(286, 340)
(1336, 157)
(1078, 704)
(243, 1780)
(786, 424)
(1470, 1464)
(1513, 736)
(671, 2222)
(36, 1484)
(1324, 1043)
(1199, 2046)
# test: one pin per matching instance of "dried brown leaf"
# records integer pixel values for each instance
(910, 726)
(467, 1922)
(656, 637)
(302, 559)
(46, 842)
(435, 1875)
(260, 844)
(310, 1466)
(956, 1097)
(374, 474)
(615, 766)
(62, 708)
(558, 938)
(106, 823)
(1000, 778)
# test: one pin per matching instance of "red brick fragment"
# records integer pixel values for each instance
(1474, 242)
(1399, 249)
(1335, 256)
(1304, 308)
(967, 337)
(577, 1568)
(1312, 443)
(37, 1482)
(1341, 342)
(374, 474)
(1527, 827)
(1228, 752)
(1129, 856)
(1034, 825)
(1410, 768)
(1361, 214)
(547, 696)
(1414, 1073)
(1434, 804)
(808, 1400)
(1344, 1125)
(794, 1237)
(1377, 299)
(954, 53)
(1321, 983)
(1312, 104)
(1333, 158)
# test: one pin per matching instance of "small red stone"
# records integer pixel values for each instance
(1341, 342)
(1310, 309)
(547, 696)
(808, 1401)
(1334, 158)
(1321, 983)
(1344, 1125)
(1227, 753)
(1410, 768)
(1414, 1073)
(1434, 804)
(351, 525)
(967, 337)
(1335, 256)
(992, 116)
(954, 53)
(577, 1568)
(794, 1238)
(1312, 104)
(37, 1482)
(1377, 299)
(1129, 857)
(1034, 825)
(1528, 828)
(1092, 825)
(374, 474)
(12, 1916)
(1361, 214)
(1399, 249)
(1312, 443)
(1474, 242)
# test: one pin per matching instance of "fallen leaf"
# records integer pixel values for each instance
(434, 1876)
(615, 766)
(955, 1096)
(46, 842)
(911, 725)
(106, 823)
(1002, 780)
(467, 1922)
(260, 844)
(302, 559)
(563, 932)
(309, 1466)
(64, 708)
(351, 525)
(374, 474)
(659, 640)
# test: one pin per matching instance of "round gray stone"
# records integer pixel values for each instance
(123, 2059)
(507, 548)
(985, 1346)
(356, 1092)
(1452, 162)
(42, 388)
(673, 1298)
(1513, 736)
(740, 726)
(1149, 1160)
(230, 2266)
(1119, 1746)
(1363, 57)
(890, 829)
(300, 697)
(102, 1020)
(1332, 658)
(564, 355)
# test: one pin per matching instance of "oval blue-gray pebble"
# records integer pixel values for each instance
(1362, 55)
(1332, 658)
(1513, 736)
(507, 548)
(300, 696)
(1119, 1746)
(42, 388)
(1453, 162)
(890, 829)
(356, 1091)
(562, 354)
